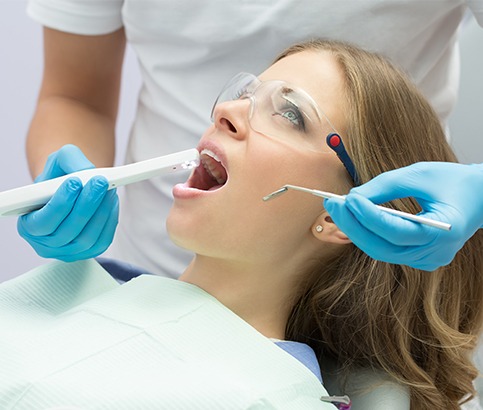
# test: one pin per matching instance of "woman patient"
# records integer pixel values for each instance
(276, 271)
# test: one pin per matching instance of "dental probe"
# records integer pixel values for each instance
(405, 215)
(19, 201)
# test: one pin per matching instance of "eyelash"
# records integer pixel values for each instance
(239, 94)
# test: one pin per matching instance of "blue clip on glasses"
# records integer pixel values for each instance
(334, 141)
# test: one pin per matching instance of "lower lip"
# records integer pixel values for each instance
(183, 191)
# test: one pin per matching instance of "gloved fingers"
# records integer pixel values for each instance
(66, 160)
(373, 245)
(94, 239)
(47, 219)
(72, 159)
(392, 228)
(420, 257)
(87, 205)
(103, 242)
(400, 183)
(428, 258)
(96, 236)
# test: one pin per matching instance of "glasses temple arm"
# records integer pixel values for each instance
(334, 141)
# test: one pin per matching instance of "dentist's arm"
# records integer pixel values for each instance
(78, 98)
(447, 192)
(77, 105)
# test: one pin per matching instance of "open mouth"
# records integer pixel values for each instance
(210, 175)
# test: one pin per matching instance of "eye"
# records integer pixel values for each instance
(291, 113)
(292, 116)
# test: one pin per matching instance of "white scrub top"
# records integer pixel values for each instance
(187, 50)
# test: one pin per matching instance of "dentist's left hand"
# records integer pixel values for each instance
(78, 222)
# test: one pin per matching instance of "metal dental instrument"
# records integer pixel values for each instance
(19, 201)
(405, 215)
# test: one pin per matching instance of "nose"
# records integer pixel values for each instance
(232, 118)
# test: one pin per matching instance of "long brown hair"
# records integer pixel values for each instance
(420, 327)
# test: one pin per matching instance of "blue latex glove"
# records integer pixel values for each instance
(78, 222)
(447, 192)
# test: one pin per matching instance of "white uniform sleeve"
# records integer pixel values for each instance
(93, 17)
(476, 6)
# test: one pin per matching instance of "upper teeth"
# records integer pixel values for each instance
(210, 154)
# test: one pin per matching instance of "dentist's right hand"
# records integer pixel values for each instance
(78, 222)
(448, 192)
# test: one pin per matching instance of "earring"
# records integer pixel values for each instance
(319, 228)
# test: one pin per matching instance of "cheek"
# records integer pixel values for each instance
(265, 174)
(321, 171)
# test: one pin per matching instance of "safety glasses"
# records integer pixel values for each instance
(282, 111)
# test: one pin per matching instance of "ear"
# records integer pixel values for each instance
(324, 229)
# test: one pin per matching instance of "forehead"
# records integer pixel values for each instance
(318, 74)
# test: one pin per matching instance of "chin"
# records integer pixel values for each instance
(183, 230)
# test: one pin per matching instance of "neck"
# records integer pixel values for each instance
(259, 295)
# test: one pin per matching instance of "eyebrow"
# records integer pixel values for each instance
(302, 97)
(287, 90)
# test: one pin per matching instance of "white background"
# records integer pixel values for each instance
(20, 75)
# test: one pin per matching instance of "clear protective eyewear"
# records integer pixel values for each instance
(282, 111)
